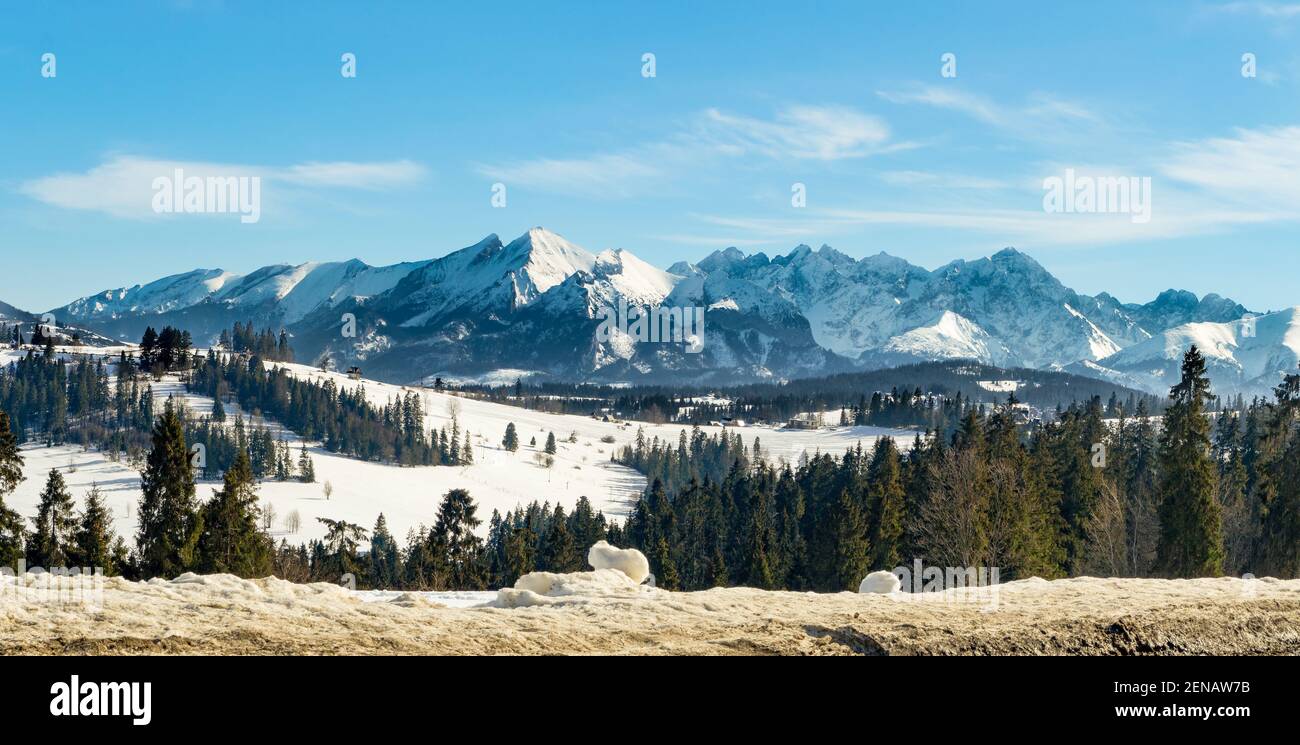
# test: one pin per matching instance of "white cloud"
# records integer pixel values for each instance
(940, 180)
(1263, 9)
(822, 133)
(1257, 168)
(1202, 187)
(803, 132)
(1041, 113)
(345, 174)
(1021, 227)
(607, 175)
(122, 186)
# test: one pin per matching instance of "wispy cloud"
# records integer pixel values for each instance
(1262, 9)
(122, 185)
(796, 133)
(605, 175)
(1256, 168)
(1041, 112)
(930, 179)
(803, 132)
(1201, 187)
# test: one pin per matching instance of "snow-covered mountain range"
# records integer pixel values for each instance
(533, 305)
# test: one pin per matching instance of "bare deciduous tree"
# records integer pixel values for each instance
(953, 528)
(268, 516)
(1107, 552)
(293, 522)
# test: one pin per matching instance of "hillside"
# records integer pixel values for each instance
(408, 497)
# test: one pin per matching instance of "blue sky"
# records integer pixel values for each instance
(748, 99)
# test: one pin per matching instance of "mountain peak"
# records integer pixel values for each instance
(722, 259)
(1014, 257)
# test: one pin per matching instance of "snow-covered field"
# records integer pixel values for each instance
(490, 420)
(409, 497)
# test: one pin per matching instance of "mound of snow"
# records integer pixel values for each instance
(545, 588)
(880, 582)
(629, 561)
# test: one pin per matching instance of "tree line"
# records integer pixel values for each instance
(1183, 495)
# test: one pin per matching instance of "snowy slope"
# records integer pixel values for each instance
(283, 292)
(409, 497)
(160, 296)
(1241, 356)
(531, 305)
(10, 313)
(949, 337)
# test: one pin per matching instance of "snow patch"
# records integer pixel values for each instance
(545, 588)
(882, 583)
(629, 561)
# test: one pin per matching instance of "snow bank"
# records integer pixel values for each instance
(629, 561)
(880, 582)
(604, 612)
(545, 588)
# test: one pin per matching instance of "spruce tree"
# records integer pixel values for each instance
(758, 570)
(54, 527)
(1191, 533)
(665, 568)
(550, 443)
(511, 440)
(466, 452)
(885, 485)
(520, 554)
(306, 468)
(11, 474)
(1278, 484)
(849, 549)
(96, 545)
(11, 461)
(458, 551)
(560, 552)
(337, 554)
(384, 561)
(232, 541)
(168, 517)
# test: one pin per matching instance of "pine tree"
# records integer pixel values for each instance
(306, 469)
(758, 570)
(511, 440)
(11, 474)
(560, 553)
(1277, 487)
(466, 452)
(96, 545)
(232, 541)
(666, 569)
(338, 552)
(520, 554)
(458, 552)
(885, 486)
(169, 519)
(11, 461)
(55, 526)
(1191, 532)
(384, 559)
(550, 443)
(849, 544)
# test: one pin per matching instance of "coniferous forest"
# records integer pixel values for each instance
(1099, 490)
